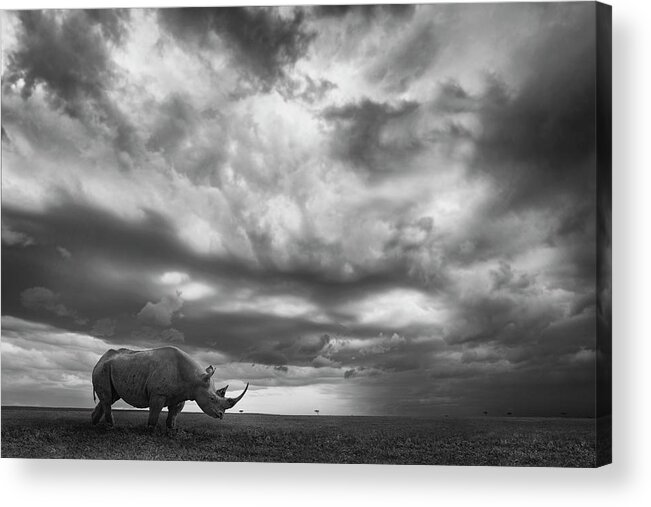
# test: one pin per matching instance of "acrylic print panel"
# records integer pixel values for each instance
(385, 228)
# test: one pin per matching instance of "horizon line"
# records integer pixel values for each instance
(444, 416)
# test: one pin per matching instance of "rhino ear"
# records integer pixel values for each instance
(209, 373)
(222, 392)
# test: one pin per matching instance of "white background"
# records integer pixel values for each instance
(626, 482)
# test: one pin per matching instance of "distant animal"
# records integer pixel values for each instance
(156, 378)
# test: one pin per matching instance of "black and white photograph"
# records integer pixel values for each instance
(356, 234)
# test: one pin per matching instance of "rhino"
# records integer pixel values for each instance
(156, 378)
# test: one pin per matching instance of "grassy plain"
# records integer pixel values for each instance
(509, 441)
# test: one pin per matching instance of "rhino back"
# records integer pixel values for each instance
(139, 375)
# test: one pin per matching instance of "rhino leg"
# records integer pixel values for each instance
(173, 411)
(108, 416)
(97, 413)
(104, 389)
(156, 404)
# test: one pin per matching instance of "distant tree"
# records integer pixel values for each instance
(317, 411)
(485, 412)
(241, 411)
(446, 415)
(563, 414)
(509, 413)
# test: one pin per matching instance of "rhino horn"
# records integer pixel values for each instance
(232, 401)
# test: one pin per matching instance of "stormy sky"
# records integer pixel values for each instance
(362, 210)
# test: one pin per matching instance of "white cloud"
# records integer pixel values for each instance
(161, 313)
(11, 237)
(174, 278)
(196, 290)
(396, 308)
(247, 300)
(44, 365)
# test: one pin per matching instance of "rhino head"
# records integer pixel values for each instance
(213, 401)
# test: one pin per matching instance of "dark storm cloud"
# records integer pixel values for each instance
(92, 237)
(416, 253)
(563, 337)
(405, 62)
(451, 97)
(506, 278)
(315, 345)
(385, 138)
(406, 361)
(358, 129)
(484, 380)
(583, 303)
(253, 336)
(5, 137)
(69, 56)
(177, 135)
(69, 53)
(178, 121)
(103, 328)
(153, 243)
(374, 352)
(37, 298)
(267, 357)
(516, 332)
(113, 22)
(367, 12)
(130, 311)
(264, 43)
(148, 334)
(500, 318)
(537, 146)
(540, 139)
(533, 390)
(125, 298)
(574, 224)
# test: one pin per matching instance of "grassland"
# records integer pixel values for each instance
(67, 433)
